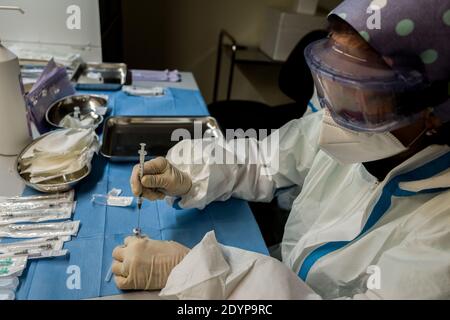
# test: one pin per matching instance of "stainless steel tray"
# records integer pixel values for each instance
(113, 76)
(88, 104)
(122, 135)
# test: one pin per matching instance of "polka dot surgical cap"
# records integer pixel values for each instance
(418, 29)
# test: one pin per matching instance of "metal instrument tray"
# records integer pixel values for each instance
(112, 76)
(122, 135)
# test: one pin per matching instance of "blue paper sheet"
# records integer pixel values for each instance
(104, 228)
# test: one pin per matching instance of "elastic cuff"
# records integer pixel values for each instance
(176, 204)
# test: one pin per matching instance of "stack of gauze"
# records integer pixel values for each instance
(42, 224)
(60, 153)
(83, 121)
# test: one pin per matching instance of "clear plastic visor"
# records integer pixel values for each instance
(361, 94)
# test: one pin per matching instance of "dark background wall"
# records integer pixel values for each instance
(183, 35)
(111, 18)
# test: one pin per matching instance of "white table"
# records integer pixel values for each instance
(11, 185)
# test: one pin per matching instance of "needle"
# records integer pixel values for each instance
(142, 154)
(109, 274)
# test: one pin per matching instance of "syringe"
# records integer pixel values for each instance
(142, 154)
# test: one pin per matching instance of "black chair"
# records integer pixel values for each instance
(295, 81)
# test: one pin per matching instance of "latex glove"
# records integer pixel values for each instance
(144, 264)
(160, 179)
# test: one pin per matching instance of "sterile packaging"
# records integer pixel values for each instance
(34, 249)
(115, 192)
(40, 254)
(152, 75)
(95, 77)
(12, 266)
(61, 142)
(112, 199)
(49, 254)
(33, 242)
(10, 283)
(7, 295)
(8, 288)
(23, 231)
(149, 92)
(48, 212)
(53, 85)
(63, 152)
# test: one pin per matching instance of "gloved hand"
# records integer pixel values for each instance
(160, 179)
(144, 264)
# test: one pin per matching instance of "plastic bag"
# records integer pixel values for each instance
(23, 231)
(31, 249)
(111, 201)
(7, 295)
(9, 283)
(50, 212)
(67, 196)
(59, 153)
(53, 85)
(47, 206)
(82, 122)
(12, 266)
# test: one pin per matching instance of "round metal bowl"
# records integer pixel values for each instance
(61, 184)
(88, 104)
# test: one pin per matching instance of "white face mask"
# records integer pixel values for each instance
(349, 147)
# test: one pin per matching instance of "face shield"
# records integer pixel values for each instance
(361, 91)
(413, 38)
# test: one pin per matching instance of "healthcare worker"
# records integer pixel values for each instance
(373, 218)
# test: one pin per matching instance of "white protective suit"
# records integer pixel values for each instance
(347, 236)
